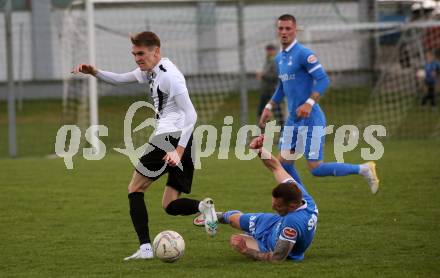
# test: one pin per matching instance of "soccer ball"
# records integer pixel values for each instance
(168, 246)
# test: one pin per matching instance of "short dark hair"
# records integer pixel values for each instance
(289, 192)
(286, 17)
(146, 38)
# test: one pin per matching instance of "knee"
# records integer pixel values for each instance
(139, 185)
(135, 188)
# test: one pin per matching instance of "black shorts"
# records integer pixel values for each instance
(152, 166)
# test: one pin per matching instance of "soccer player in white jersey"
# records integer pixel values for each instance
(171, 144)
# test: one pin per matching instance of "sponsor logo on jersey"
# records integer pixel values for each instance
(252, 225)
(312, 59)
(289, 233)
(286, 77)
(162, 68)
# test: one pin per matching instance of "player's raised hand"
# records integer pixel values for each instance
(265, 116)
(304, 110)
(85, 68)
(257, 142)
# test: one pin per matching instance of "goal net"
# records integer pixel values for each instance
(373, 66)
(398, 99)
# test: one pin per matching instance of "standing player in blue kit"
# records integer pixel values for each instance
(302, 80)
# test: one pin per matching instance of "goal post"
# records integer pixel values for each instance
(93, 84)
(214, 66)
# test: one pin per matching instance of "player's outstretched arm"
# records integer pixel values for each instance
(282, 250)
(184, 103)
(106, 76)
(280, 253)
(271, 162)
(266, 114)
(116, 78)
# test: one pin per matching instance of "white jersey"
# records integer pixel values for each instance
(174, 110)
(166, 82)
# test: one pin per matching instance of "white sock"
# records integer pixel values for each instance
(363, 169)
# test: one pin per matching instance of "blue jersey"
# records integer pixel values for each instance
(300, 73)
(297, 227)
(431, 71)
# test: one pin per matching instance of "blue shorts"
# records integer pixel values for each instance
(259, 226)
(305, 136)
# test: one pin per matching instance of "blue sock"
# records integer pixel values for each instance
(335, 169)
(292, 171)
(227, 215)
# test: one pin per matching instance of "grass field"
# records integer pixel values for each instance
(39, 120)
(60, 223)
(75, 223)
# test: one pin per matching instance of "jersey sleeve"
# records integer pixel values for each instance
(141, 77)
(177, 84)
(288, 233)
(119, 78)
(279, 93)
(184, 103)
(178, 90)
(312, 65)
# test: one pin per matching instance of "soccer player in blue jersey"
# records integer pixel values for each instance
(302, 80)
(278, 236)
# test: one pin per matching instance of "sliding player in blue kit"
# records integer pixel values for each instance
(302, 80)
(283, 235)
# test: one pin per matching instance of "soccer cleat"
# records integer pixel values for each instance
(199, 220)
(207, 209)
(371, 177)
(145, 252)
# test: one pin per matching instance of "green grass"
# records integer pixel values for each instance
(75, 223)
(37, 126)
(39, 120)
(61, 223)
